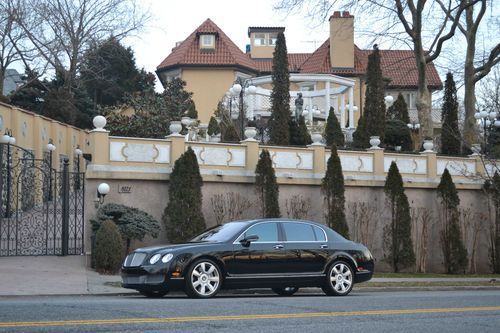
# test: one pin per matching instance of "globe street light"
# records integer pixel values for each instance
(50, 148)
(489, 121)
(238, 90)
(78, 153)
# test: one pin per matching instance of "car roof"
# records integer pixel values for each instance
(281, 219)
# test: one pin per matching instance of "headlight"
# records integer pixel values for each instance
(154, 259)
(167, 257)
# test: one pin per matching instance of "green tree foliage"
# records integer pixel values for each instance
(279, 133)
(493, 189)
(299, 135)
(399, 110)
(397, 133)
(149, 119)
(450, 134)
(108, 250)
(454, 252)
(178, 101)
(133, 223)
(374, 115)
(332, 187)
(397, 235)
(183, 216)
(213, 127)
(333, 132)
(108, 72)
(267, 187)
(229, 133)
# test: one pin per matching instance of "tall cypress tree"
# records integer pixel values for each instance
(399, 110)
(280, 95)
(397, 236)
(333, 132)
(454, 252)
(332, 187)
(374, 115)
(267, 187)
(450, 134)
(299, 135)
(183, 217)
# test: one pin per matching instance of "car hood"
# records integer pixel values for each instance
(172, 247)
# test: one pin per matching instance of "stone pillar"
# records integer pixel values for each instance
(319, 164)
(431, 164)
(252, 155)
(99, 146)
(342, 111)
(351, 107)
(378, 162)
(177, 147)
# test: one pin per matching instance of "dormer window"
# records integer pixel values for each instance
(272, 39)
(207, 41)
(260, 39)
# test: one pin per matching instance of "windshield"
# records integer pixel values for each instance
(220, 233)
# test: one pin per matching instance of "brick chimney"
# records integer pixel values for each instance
(342, 40)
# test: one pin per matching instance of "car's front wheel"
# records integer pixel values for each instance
(339, 279)
(203, 279)
(288, 291)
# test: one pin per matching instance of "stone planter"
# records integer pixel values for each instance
(476, 149)
(375, 142)
(428, 146)
(175, 127)
(250, 133)
(316, 137)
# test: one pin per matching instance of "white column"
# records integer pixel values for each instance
(351, 110)
(342, 111)
(327, 97)
(310, 115)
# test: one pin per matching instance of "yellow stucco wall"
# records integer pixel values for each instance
(342, 42)
(208, 87)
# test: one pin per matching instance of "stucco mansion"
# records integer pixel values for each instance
(333, 75)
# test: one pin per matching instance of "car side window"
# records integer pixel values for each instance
(300, 232)
(267, 232)
(319, 233)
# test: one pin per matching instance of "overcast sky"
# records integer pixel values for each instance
(174, 20)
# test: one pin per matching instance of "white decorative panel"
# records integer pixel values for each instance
(292, 160)
(355, 163)
(139, 152)
(220, 156)
(407, 164)
(306, 161)
(491, 169)
(238, 157)
(115, 151)
(456, 168)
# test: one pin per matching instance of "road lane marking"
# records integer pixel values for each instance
(240, 317)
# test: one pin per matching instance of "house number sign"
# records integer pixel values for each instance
(124, 189)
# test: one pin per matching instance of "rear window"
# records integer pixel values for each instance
(299, 232)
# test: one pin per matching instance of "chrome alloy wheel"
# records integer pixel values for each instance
(341, 278)
(205, 279)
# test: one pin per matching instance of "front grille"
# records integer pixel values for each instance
(134, 259)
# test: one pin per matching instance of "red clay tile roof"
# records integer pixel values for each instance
(295, 61)
(226, 52)
(397, 65)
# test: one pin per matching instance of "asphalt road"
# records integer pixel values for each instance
(434, 311)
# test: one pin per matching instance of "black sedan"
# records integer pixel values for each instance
(281, 254)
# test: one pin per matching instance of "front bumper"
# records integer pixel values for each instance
(149, 278)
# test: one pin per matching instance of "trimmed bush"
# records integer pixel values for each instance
(333, 132)
(213, 127)
(267, 187)
(397, 133)
(108, 251)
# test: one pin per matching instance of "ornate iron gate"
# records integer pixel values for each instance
(41, 209)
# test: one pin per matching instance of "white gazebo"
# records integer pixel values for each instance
(319, 93)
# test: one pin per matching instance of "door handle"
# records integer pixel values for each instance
(324, 246)
(278, 246)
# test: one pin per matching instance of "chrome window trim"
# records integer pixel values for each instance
(283, 242)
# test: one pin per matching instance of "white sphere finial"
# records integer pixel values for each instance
(99, 123)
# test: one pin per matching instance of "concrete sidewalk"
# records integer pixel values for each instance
(53, 275)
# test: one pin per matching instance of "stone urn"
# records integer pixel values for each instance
(175, 127)
(375, 142)
(250, 133)
(316, 138)
(428, 146)
(476, 149)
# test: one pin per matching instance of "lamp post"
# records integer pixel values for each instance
(78, 153)
(489, 121)
(8, 139)
(50, 148)
(414, 129)
(238, 90)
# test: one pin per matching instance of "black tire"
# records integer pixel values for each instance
(203, 279)
(287, 291)
(154, 294)
(339, 279)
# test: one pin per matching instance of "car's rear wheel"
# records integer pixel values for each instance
(287, 291)
(154, 294)
(339, 279)
(204, 279)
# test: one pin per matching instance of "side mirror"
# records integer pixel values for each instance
(248, 240)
